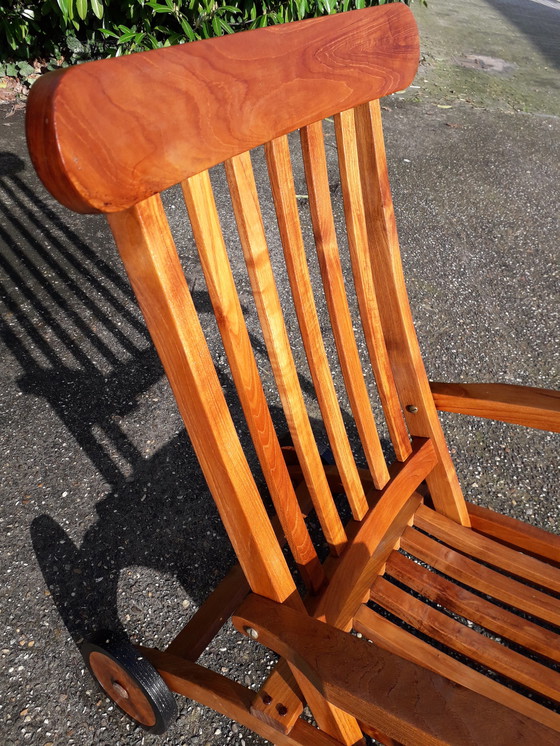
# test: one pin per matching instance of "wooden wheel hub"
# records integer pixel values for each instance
(122, 688)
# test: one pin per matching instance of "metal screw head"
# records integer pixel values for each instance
(412, 409)
(252, 633)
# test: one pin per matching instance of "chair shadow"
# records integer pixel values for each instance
(77, 335)
(72, 326)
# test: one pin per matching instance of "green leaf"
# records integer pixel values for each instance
(81, 8)
(97, 8)
(188, 29)
(25, 69)
(126, 37)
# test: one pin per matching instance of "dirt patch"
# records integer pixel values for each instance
(486, 64)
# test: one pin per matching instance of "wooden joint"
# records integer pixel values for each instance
(279, 701)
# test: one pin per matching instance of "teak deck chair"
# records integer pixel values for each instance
(461, 604)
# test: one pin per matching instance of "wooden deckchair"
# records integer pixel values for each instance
(461, 604)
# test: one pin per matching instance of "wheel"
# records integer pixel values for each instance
(130, 681)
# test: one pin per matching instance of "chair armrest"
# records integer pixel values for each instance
(399, 698)
(520, 405)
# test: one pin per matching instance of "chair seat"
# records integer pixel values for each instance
(484, 615)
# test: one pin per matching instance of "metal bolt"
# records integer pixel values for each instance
(412, 409)
(252, 633)
(119, 689)
(267, 699)
(281, 710)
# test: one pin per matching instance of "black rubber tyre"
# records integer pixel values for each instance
(130, 681)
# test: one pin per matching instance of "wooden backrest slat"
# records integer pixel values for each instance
(396, 318)
(253, 240)
(363, 280)
(313, 149)
(215, 264)
(284, 196)
(148, 251)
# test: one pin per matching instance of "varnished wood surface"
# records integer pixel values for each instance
(150, 257)
(284, 196)
(317, 177)
(108, 134)
(229, 315)
(269, 309)
(469, 642)
(459, 600)
(487, 550)
(520, 405)
(401, 699)
(229, 698)
(514, 533)
(484, 579)
(396, 317)
(279, 700)
(375, 537)
(393, 638)
(363, 280)
(196, 635)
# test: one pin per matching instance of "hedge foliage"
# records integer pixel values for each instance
(65, 31)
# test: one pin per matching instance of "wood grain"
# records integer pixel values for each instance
(514, 533)
(398, 327)
(229, 315)
(279, 700)
(106, 135)
(228, 698)
(520, 405)
(313, 149)
(284, 196)
(468, 642)
(481, 578)
(473, 607)
(255, 250)
(396, 640)
(401, 699)
(375, 537)
(363, 280)
(150, 258)
(487, 550)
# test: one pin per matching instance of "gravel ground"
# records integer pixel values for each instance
(105, 520)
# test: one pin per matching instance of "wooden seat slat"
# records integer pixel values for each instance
(393, 638)
(466, 641)
(481, 578)
(473, 607)
(487, 550)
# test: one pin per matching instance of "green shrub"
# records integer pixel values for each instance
(71, 30)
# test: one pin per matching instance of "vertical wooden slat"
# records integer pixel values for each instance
(251, 231)
(229, 315)
(148, 251)
(398, 327)
(314, 159)
(363, 281)
(283, 191)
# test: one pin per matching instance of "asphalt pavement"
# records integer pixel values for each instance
(104, 519)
